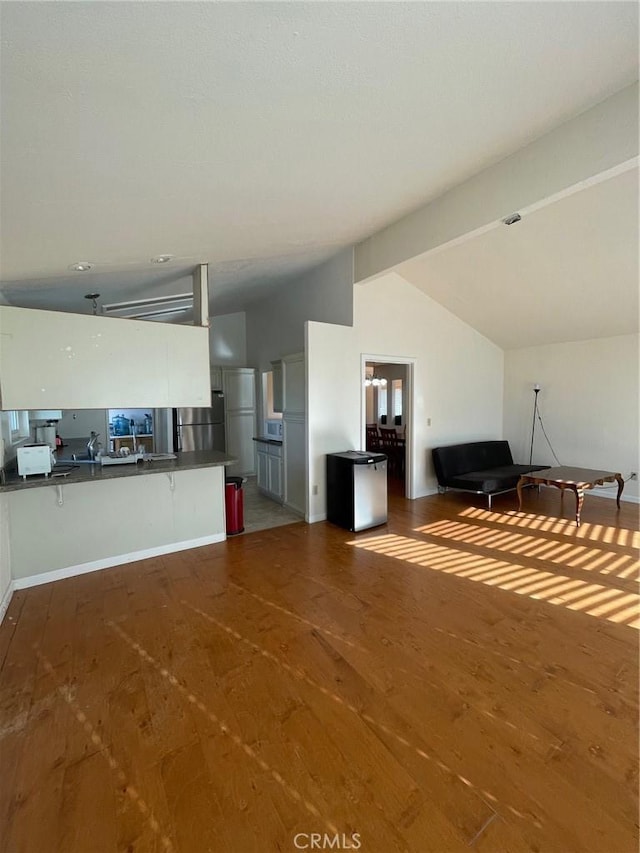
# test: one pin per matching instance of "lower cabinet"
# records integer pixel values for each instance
(270, 470)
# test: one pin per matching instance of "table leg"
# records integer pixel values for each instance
(519, 491)
(579, 501)
(620, 488)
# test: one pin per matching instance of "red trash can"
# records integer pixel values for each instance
(234, 505)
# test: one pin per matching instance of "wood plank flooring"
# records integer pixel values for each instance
(458, 679)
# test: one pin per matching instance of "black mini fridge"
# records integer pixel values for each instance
(357, 489)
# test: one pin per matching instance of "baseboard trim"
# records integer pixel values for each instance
(611, 494)
(6, 600)
(295, 509)
(426, 494)
(321, 516)
(120, 559)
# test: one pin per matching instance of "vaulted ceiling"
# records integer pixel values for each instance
(263, 137)
(567, 271)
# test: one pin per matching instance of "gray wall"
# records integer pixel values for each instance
(275, 325)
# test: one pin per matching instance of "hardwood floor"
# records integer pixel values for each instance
(457, 679)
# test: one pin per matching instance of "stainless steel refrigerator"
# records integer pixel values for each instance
(357, 489)
(200, 429)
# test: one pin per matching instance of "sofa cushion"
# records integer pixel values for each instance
(493, 479)
(458, 459)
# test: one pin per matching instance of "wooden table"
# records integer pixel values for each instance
(576, 479)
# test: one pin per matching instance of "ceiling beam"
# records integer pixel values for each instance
(201, 295)
(598, 142)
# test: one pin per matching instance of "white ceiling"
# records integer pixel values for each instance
(567, 271)
(263, 137)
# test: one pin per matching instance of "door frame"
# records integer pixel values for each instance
(410, 363)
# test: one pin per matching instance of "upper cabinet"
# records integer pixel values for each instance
(239, 386)
(215, 377)
(278, 395)
(294, 384)
(49, 359)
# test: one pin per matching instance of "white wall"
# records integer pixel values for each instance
(80, 423)
(5, 555)
(294, 432)
(228, 339)
(275, 324)
(589, 401)
(458, 378)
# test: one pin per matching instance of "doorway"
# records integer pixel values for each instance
(387, 416)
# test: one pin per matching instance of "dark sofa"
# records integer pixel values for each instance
(482, 467)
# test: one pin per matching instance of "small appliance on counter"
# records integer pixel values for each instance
(46, 435)
(34, 459)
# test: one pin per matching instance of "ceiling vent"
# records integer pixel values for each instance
(148, 309)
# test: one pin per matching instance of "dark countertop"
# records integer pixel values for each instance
(86, 473)
(264, 440)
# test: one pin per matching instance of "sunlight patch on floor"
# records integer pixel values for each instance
(575, 555)
(612, 604)
(594, 532)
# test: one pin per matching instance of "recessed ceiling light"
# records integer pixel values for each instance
(162, 259)
(81, 266)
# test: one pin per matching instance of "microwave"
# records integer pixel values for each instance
(273, 429)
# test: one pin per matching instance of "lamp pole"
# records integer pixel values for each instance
(536, 391)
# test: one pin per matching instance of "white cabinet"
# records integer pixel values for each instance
(278, 396)
(270, 470)
(294, 433)
(240, 429)
(275, 474)
(50, 359)
(263, 467)
(215, 378)
(239, 387)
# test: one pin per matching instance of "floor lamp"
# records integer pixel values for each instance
(536, 391)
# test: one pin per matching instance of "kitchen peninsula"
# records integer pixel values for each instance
(92, 517)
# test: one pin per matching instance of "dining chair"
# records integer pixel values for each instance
(372, 438)
(390, 445)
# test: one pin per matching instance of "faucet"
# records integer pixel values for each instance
(92, 447)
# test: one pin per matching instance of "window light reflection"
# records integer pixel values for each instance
(578, 595)
(574, 555)
(593, 532)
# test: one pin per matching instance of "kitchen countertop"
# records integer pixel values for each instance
(86, 473)
(263, 439)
